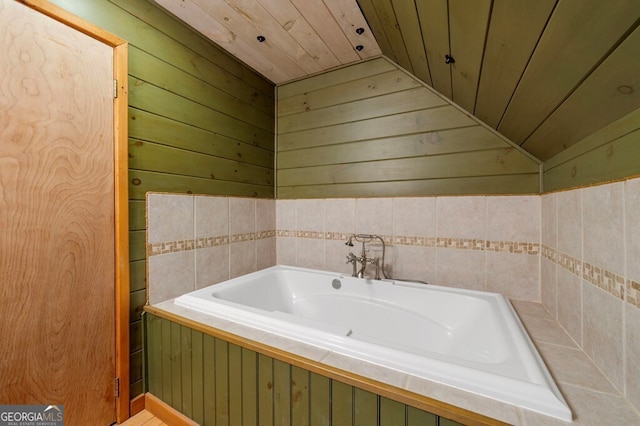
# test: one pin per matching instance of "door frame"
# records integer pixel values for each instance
(121, 231)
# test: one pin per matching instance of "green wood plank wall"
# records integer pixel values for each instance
(218, 383)
(199, 122)
(371, 129)
(609, 154)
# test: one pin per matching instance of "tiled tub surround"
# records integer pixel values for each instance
(481, 243)
(527, 247)
(194, 241)
(590, 270)
(475, 242)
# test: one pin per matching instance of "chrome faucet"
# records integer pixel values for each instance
(363, 259)
(353, 259)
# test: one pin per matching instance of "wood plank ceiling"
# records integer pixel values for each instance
(544, 73)
(282, 39)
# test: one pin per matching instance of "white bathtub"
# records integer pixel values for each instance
(467, 339)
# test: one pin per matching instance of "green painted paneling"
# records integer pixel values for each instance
(137, 219)
(208, 381)
(417, 417)
(506, 184)
(365, 408)
(160, 158)
(300, 396)
(503, 161)
(145, 181)
(150, 69)
(197, 373)
(320, 404)
(392, 412)
(135, 337)
(215, 382)
(195, 110)
(137, 245)
(465, 139)
(341, 404)
(609, 154)
(249, 388)
(138, 275)
(150, 127)
(185, 366)
(137, 299)
(235, 384)
(136, 366)
(394, 137)
(154, 358)
(147, 97)
(265, 390)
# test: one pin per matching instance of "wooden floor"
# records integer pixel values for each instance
(144, 418)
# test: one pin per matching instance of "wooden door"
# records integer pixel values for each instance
(57, 241)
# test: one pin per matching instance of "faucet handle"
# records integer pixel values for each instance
(376, 261)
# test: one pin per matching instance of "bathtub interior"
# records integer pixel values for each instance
(459, 337)
(368, 311)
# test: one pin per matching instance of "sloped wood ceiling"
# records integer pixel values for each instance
(282, 39)
(544, 73)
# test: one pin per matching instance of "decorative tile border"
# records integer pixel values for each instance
(165, 247)
(516, 247)
(633, 293)
(608, 281)
(440, 242)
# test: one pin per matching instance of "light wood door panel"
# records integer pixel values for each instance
(57, 243)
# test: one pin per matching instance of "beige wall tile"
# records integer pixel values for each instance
(211, 216)
(286, 250)
(374, 216)
(266, 253)
(310, 215)
(461, 217)
(170, 217)
(414, 217)
(632, 231)
(286, 214)
(310, 253)
(170, 275)
(549, 220)
(513, 218)
(242, 216)
(413, 263)
(242, 258)
(602, 332)
(460, 268)
(632, 320)
(570, 303)
(265, 215)
(597, 408)
(335, 255)
(548, 286)
(547, 331)
(573, 366)
(340, 215)
(513, 275)
(212, 265)
(569, 206)
(530, 309)
(602, 210)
